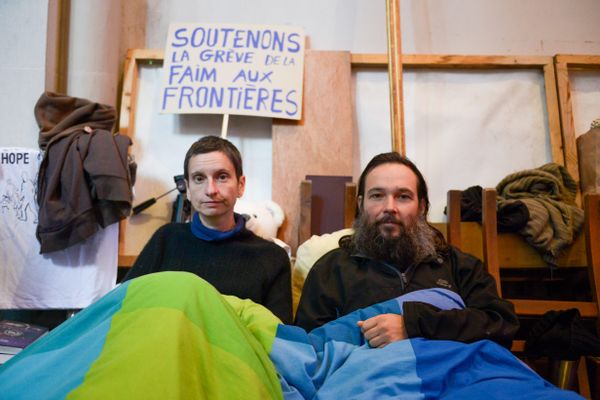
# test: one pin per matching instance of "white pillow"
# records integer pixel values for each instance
(308, 253)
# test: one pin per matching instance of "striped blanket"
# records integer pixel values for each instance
(171, 335)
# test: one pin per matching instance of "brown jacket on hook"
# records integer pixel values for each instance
(84, 181)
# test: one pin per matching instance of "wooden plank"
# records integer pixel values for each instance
(147, 54)
(490, 236)
(562, 65)
(515, 252)
(454, 216)
(518, 346)
(556, 139)
(126, 261)
(349, 204)
(394, 51)
(128, 94)
(583, 380)
(513, 249)
(380, 60)
(358, 60)
(474, 61)
(567, 122)
(471, 237)
(592, 236)
(539, 307)
(57, 48)
(413, 61)
(127, 123)
(578, 61)
(305, 211)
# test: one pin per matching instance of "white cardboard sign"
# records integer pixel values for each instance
(233, 69)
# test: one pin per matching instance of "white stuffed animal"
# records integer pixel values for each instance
(263, 218)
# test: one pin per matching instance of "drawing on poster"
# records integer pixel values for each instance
(17, 197)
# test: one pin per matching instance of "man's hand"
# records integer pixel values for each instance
(383, 329)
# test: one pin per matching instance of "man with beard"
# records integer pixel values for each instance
(394, 251)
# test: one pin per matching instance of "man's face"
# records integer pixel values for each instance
(213, 188)
(391, 198)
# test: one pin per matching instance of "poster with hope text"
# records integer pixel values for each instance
(233, 69)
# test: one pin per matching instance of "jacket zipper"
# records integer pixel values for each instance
(401, 275)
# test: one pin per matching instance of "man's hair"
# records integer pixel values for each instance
(395, 158)
(209, 144)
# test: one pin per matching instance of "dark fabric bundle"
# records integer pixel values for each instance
(511, 217)
(562, 335)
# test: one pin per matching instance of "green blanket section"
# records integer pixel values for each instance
(175, 336)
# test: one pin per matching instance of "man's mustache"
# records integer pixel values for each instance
(389, 219)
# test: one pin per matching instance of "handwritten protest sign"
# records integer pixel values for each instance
(233, 69)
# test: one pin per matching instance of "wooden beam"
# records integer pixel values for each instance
(490, 236)
(578, 61)
(518, 346)
(592, 237)
(412, 61)
(394, 51)
(563, 63)
(57, 46)
(583, 379)
(349, 204)
(448, 61)
(127, 127)
(566, 119)
(305, 211)
(368, 60)
(126, 261)
(147, 54)
(557, 141)
(454, 215)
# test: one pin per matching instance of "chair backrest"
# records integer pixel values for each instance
(492, 259)
(309, 204)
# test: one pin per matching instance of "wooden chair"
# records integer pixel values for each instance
(511, 251)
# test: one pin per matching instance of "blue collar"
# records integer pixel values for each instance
(214, 235)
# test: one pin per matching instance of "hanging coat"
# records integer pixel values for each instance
(84, 181)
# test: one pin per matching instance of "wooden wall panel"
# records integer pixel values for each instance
(321, 142)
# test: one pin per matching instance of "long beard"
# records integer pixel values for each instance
(416, 242)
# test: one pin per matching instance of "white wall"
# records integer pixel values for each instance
(23, 26)
(531, 27)
(94, 58)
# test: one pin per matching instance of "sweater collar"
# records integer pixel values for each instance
(214, 235)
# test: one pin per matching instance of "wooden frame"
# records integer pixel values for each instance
(137, 57)
(562, 64)
(450, 62)
(57, 48)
